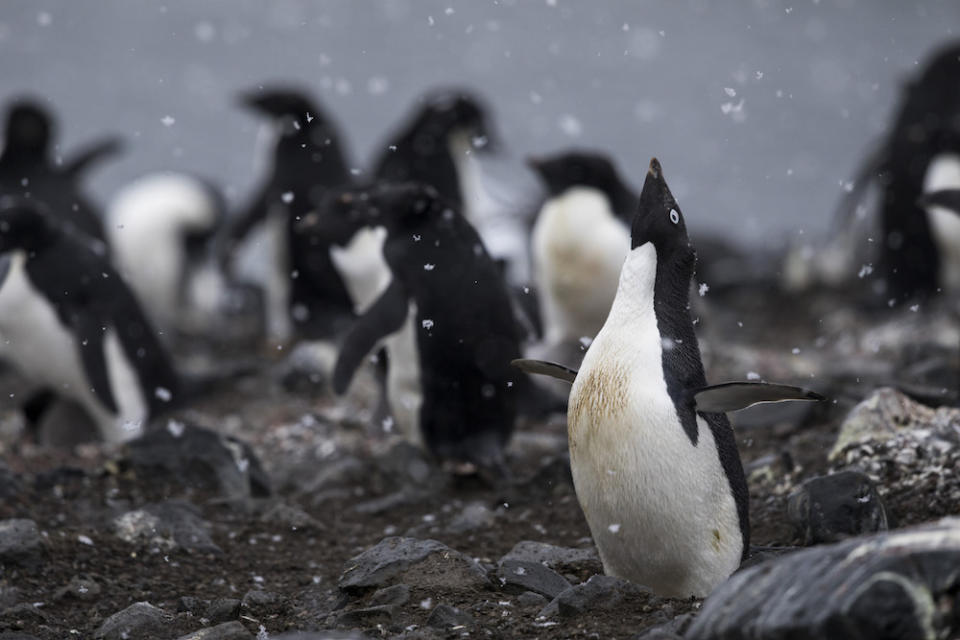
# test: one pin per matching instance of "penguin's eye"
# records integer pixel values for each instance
(674, 216)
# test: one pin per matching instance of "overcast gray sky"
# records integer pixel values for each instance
(758, 110)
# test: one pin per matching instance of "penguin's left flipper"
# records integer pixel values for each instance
(947, 198)
(92, 154)
(542, 367)
(384, 317)
(91, 345)
(733, 396)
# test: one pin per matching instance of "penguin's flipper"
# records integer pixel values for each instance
(91, 344)
(733, 396)
(384, 317)
(946, 198)
(92, 154)
(545, 368)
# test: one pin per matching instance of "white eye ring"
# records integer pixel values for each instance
(674, 216)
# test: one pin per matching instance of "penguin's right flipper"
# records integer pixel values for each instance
(91, 345)
(545, 368)
(92, 154)
(733, 396)
(946, 198)
(384, 317)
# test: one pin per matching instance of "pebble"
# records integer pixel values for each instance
(139, 620)
(830, 508)
(426, 563)
(20, 542)
(226, 631)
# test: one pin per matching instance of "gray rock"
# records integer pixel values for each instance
(885, 586)
(189, 604)
(475, 516)
(450, 618)
(258, 603)
(840, 505)
(226, 631)
(80, 588)
(426, 563)
(397, 595)
(320, 635)
(187, 455)
(23, 615)
(292, 516)
(139, 620)
(529, 599)
(367, 617)
(167, 525)
(518, 576)
(599, 592)
(316, 603)
(671, 630)
(222, 610)
(20, 542)
(557, 558)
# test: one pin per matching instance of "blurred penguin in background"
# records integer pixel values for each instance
(308, 159)
(28, 169)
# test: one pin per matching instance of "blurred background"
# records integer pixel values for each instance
(758, 110)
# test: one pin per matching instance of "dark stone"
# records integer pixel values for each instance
(368, 617)
(20, 542)
(530, 599)
(518, 576)
(222, 610)
(446, 617)
(226, 631)
(672, 630)
(22, 615)
(426, 563)
(557, 558)
(189, 604)
(80, 588)
(891, 585)
(260, 603)
(320, 635)
(187, 455)
(140, 620)
(397, 595)
(282, 514)
(599, 592)
(837, 506)
(316, 603)
(169, 525)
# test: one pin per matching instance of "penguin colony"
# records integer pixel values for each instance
(399, 265)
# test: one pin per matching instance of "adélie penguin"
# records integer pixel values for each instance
(28, 170)
(69, 323)
(304, 294)
(448, 326)
(654, 459)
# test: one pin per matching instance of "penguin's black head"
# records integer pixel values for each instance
(659, 219)
(285, 105)
(576, 168)
(445, 113)
(29, 129)
(337, 216)
(24, 225)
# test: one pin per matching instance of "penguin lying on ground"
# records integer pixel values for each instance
(68, 322)
(172, 218)
(654, 460)
(303, 291)
(447, 322)
(28, 171)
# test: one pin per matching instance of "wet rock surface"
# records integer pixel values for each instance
(839, 505)
(217, 554)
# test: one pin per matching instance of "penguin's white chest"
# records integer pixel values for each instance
(362, 266)
(944, 173)
(578, 249)
(659, 507)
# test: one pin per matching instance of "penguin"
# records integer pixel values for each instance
(69, 323)
(28, 171)
(654, 459)
(448, 326)
(172, 217)
(941, 201)
(304, 294)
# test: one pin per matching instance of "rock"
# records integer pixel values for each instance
(222, 610)
(320, 635)
(259, 603)
(139, 620)
(449, 618)
(80, 588)
(521, 575)
(557, 558)
(599, 592)
(426, 563)
(168, 525)
(226, 631)
(16, 635)
(672, 630)
(368, 617)
(282, 514)
(23, 615)
(899, 584)
(397, 595)
(474, 516)
(840, 505)
(529, 599)
(20, 542)
(10, 484)
(316, 603)
(188, 455)
(189, 604)
(402, 498)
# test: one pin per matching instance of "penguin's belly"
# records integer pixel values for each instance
(404, 387)
(362, 266)
(660, 508)
(33, 339)
(579, 247)
(944, 173)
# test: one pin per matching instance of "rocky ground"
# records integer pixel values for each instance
(270, 507)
